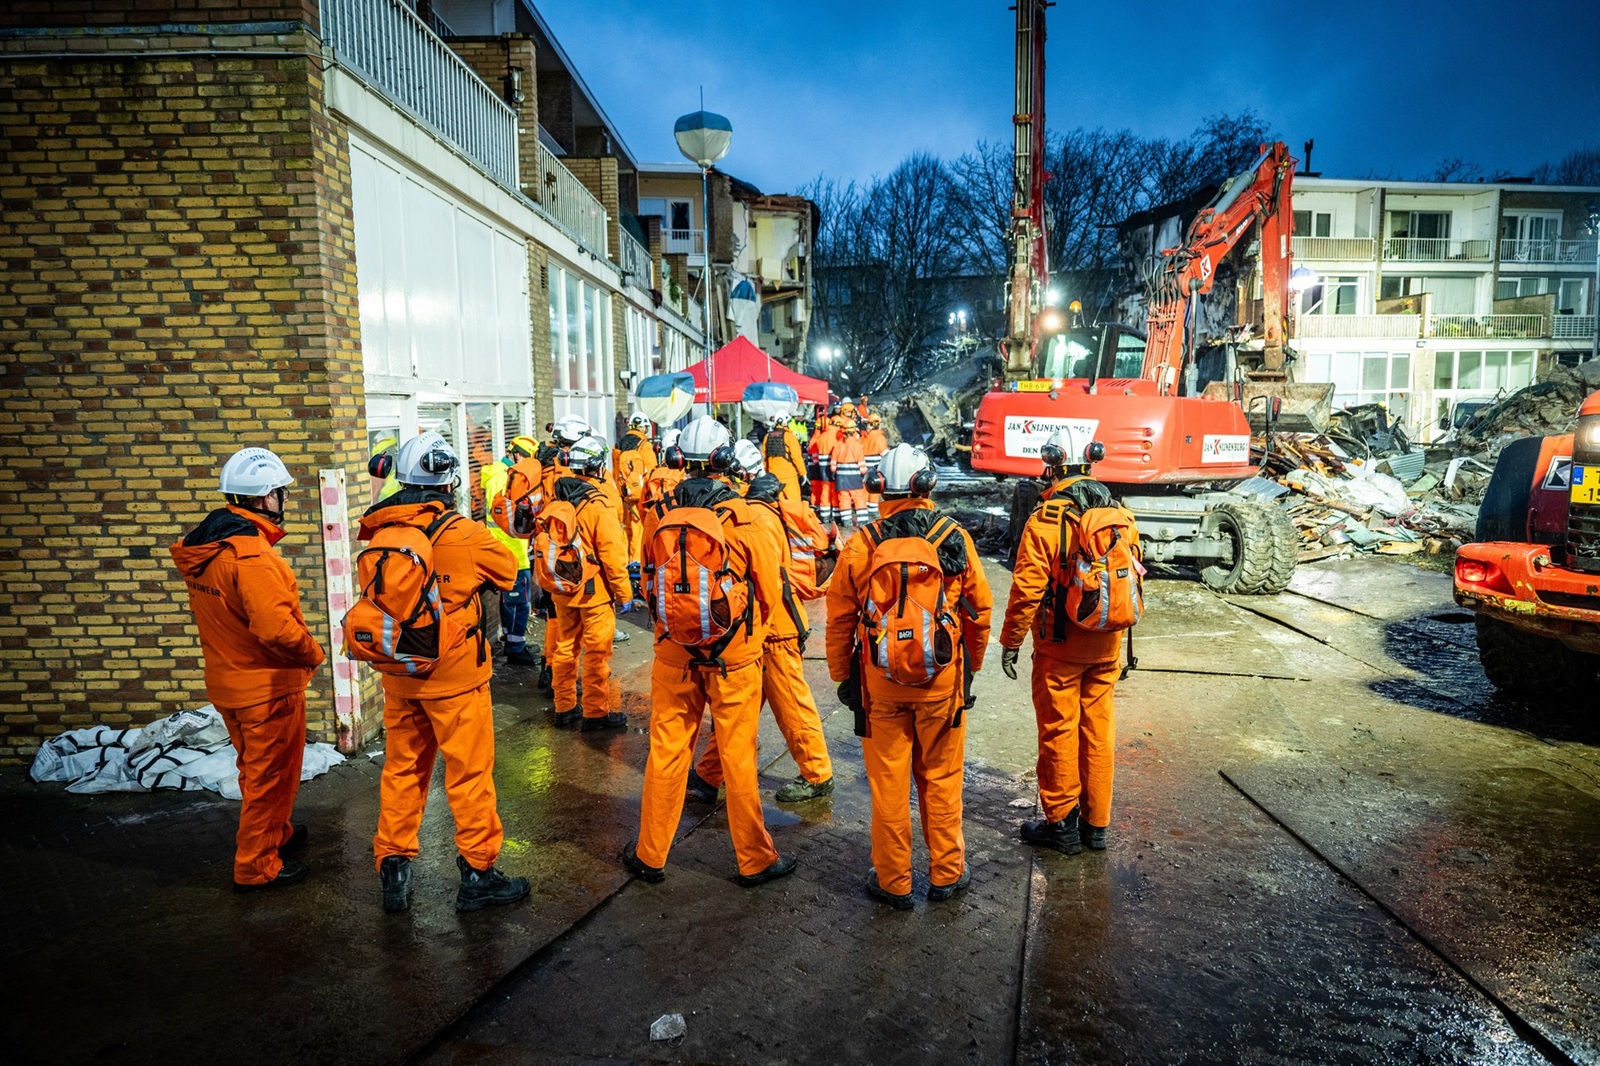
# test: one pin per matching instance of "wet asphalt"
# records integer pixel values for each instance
(1331, 842)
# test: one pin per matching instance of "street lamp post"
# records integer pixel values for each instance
(704, 138)
(1594, 293)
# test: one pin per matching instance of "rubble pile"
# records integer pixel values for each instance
(1387, 499)
(1547, 407)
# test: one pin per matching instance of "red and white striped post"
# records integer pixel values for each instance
(336, 563)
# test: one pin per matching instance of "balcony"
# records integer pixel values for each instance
(1437, 250)
(1573, 253)
(1335, 248)
(385, 44)
(685, 242)
(1358, 326)
(1572, 327)
(634, 259)
(1487, 327)
(569, 203)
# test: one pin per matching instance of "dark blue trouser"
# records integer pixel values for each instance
(514, 607)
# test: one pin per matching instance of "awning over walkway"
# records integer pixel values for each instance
(739, 362)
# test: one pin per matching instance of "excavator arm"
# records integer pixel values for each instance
(1260, 194)
(1030, 265)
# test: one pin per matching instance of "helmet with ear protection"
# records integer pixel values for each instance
(705, 440)
(381, 465)
(426, 459)
(905, 470)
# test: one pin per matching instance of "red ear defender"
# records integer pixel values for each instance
(1052, 455)
(722, 460)
(381, 466)
(674, 458)
(876, 483)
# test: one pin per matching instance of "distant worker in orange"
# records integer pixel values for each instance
(784, 458)
(819, 457)
(564, 433)
(1075, 669)
(259, 656)
(448, 710)
(714, 583)
(516, 603)
(875, 444)
(631, 462)
(908, 622)
(581, 557)
(850, 472)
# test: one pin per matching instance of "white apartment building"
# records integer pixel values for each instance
(1426, 294)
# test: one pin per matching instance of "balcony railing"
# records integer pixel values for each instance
(392, 50)
(1334, 247)
(685, 242)
(1579, 252)
(634, 259)
(569, 202)
(1355, 326)
(1436, 249)
(1486, 327)
(1572, 327)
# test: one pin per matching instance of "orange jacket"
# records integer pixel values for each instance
(600, 530)
(247, 605)
(1037, 555)
(850, 463)
(466, 558)
(874, 442)
(658, 483)
(784, 458)
(629, 467)
(752, 551)
(845, 602)
(820, 452)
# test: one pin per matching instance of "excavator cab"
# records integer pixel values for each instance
(1091, 353)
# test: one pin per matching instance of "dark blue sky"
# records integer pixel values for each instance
(850, 87)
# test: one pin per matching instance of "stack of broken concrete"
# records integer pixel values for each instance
(1544, 408)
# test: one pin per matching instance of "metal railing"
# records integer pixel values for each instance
(685, 242)
(569, 202)
(634, 259)
(1552, 251)
(1572, 327)
(1340, 326)
(1436, 249)
(1335, 247)
(396, 53)
(1484, 327)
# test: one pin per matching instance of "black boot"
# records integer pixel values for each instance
(290, 873)
(518, 654)
(395, 875)
(1062, 835)
(614, 720)
(699, 790)
(547, 683)
(486, 888)
(1094, 836)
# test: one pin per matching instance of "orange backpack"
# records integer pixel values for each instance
(561, 563)
(695, 597)
(909, 629)
(629, 466)
(398, 624)
(812, 555)
(1099, 583)
(515, 509)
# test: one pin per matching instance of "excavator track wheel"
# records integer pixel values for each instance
(1260, 564)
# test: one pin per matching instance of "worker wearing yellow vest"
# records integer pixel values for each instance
(517, 601)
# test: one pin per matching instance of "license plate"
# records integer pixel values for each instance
(1034, 386)
(1585, 484)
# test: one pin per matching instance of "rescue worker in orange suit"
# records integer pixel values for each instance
(911, 732)
(875, 444)
(259, 656)
(1074, 670)
(659, 483)
(819, 455)
(515, 604)
(631, 462)
(564, 433)
(447, 711)
(850, 472)
(586, 619)
(793, 527)
(785, 459)
(685, 681)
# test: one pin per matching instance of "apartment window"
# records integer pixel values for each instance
(1569, 297)
(1333, 296)
(1365, 377)
(1472, 375)
(1420, 225)
(480, 453)
(581, 349)
(1451, 296)
(1313, 224)
(1511, 288)
(1530, 227)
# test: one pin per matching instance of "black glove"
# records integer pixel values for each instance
(1008, 661)
(805, 489)
(850, 693)
(971, 701)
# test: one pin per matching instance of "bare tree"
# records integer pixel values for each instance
(1454, 168)
(1578, 167)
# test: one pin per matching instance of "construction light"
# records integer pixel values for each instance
(1301, 279)
(1050, 321)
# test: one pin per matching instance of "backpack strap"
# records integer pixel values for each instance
(434, 528)
(1058, 612)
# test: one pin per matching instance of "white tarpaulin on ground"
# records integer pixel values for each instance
(188, 750)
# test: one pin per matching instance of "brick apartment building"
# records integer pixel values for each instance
(249, 223)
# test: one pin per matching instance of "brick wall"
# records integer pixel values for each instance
(544, 410)
(177, 280)
(555, 107)
(61, 13)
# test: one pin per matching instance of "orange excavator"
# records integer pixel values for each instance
(1171, 452)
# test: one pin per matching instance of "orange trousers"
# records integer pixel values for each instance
(679, 696)
(783, 686)
(825, 498)
(853, 504)
(270, 739)
(906, 742)
(633, 526)
(1077, 736)
(583, 633)
(462, 729)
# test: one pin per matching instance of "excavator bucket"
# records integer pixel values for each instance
(1302, 407)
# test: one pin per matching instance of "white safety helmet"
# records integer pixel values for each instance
(748, 458)
(905, 471)
(637, 420)
(426, 459)
(252, 472)
(1067, 446)
(669, 438)
(701, 439)
(587, 455)
(569, 429)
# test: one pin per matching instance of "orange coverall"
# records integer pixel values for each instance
(911, 731)
(874, 445)
(586, 621)
(785, 460)
(1073, 678)
(850, 476)
(681, 692)
(554, 470)
(259, 655)
(629, 467)
(449, 711)
(783, 683)
(824, 494)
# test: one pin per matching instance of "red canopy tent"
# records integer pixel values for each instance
(739, 362)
